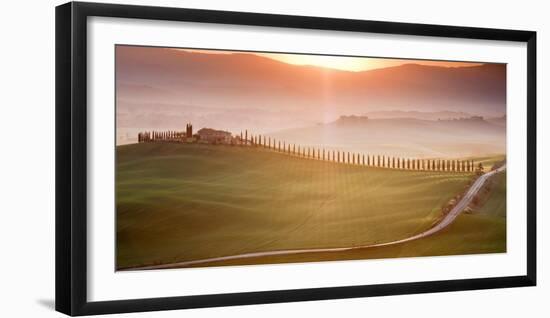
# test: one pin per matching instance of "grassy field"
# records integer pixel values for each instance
(468, 234)
(482, 231)
(183, 202)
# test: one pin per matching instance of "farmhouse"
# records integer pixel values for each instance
(210, 135)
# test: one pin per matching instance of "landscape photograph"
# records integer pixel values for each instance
(232, 158)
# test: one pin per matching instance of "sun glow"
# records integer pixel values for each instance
(343, 63)
(336, 62)
(355, 64)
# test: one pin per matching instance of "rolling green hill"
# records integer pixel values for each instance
(178, 202)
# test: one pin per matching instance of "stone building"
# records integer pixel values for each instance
(213, 136)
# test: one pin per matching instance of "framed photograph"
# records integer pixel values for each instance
(211, 158)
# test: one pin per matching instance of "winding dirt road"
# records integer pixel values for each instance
(448, 219)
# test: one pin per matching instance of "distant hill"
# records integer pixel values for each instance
(403, 136)
(498, 120)
(272, 95)
(417, 114)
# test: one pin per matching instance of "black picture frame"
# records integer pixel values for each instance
(71, 157)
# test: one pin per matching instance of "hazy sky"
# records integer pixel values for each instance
(281, 94)
(266, 92)
(346, 63)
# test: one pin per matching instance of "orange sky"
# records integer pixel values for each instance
(353, 64)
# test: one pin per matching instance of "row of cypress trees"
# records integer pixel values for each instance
(338, 156)
(168, 135)
(358, 159)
